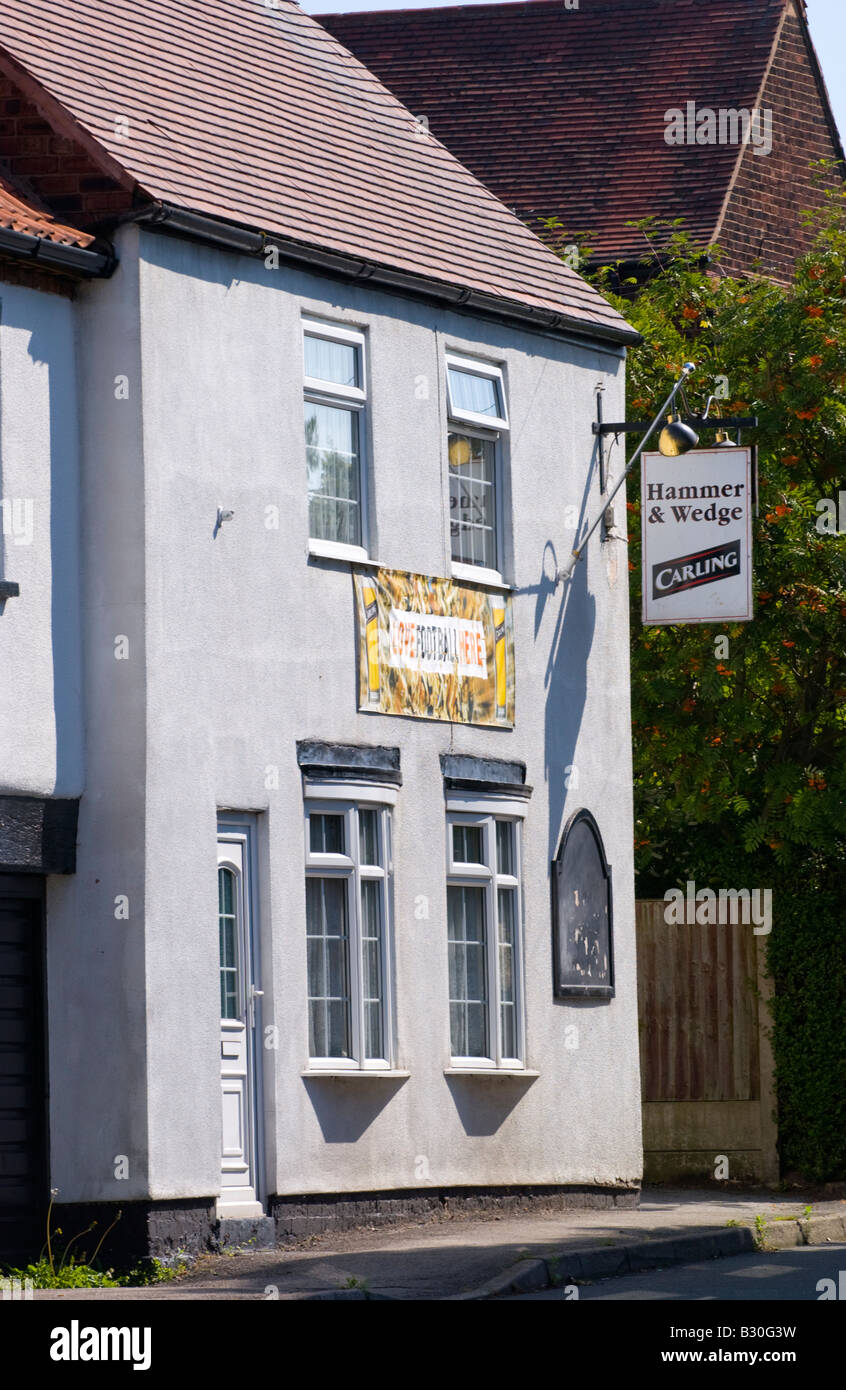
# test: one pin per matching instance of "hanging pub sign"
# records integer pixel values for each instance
(434, 649)
(696, 522)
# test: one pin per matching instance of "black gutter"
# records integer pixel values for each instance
(235, 237)
(53, 255)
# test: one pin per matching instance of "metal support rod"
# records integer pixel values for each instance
(576, 555)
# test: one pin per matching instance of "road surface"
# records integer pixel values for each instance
(786, 1274)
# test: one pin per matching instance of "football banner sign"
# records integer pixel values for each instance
(434, 649)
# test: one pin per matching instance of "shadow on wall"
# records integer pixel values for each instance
(482, 1109)
(36, 316)
(482, 1112)
(345, 1108)
(566, 692)
(565, 678)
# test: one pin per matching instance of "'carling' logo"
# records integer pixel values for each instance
(691, 571)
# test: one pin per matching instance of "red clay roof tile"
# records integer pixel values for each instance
(19, 213)
(561, 111)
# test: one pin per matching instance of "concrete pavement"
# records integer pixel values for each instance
(482, 1257)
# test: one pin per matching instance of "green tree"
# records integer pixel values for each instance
(740, 747)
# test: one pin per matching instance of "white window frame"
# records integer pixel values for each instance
(475, 367)
(485, 811)
(347, 397)
(346, 799)
(481, 427)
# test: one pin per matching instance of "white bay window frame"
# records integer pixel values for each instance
(344, 397)
(347, 800)
(483, 813)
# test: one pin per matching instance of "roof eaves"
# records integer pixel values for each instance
(248, 241)
(56, 255)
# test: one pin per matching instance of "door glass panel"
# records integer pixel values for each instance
(227, 896)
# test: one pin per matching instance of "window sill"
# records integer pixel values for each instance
(524, 1072)
(350, 1074)
(337, 550)
(477, 574)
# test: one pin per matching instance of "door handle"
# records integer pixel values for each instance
(254, 995)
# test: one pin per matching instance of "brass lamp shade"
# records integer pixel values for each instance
(723, 440)
(676, 438)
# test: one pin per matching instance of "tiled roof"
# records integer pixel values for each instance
(20, 213)
(562, 111)
(250, 111)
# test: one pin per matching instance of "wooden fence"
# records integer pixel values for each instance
(705, 1057)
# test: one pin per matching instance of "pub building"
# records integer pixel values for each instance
(316, 882)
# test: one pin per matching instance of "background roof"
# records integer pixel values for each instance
(561, 111)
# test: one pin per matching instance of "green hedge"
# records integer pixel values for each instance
(807, 959)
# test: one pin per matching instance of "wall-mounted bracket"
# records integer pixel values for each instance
(598, 430)
(696, 422)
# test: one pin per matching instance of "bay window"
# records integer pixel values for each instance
(348, 913)
(484, 915)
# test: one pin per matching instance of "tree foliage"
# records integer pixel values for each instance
(740, 746)
(748, 747)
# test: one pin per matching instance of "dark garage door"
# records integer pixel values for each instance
(22, 1079)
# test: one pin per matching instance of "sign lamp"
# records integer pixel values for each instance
(676, 437)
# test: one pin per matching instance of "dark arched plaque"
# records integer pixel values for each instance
(583, 961)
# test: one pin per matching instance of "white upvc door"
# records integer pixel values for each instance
(240, 1001)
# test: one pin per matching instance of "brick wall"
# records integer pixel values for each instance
(762, 217)
(13, 272)
(297, 1218)
(53, 168)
